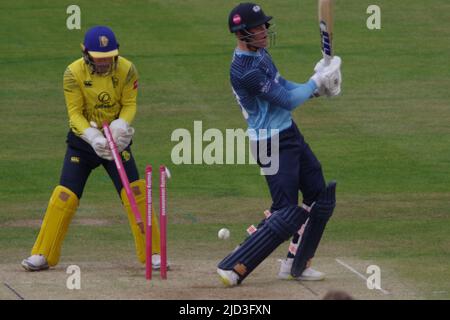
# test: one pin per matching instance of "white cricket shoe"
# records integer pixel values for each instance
(308, 275)
(36, 262)
(156, 262)
(229, 278)
(311, 275)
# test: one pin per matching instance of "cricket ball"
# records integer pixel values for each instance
(223, 233)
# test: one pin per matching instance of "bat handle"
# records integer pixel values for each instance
(326, 58)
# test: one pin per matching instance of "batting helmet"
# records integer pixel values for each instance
(100, 42)
(246, 16)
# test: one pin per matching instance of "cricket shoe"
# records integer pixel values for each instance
(156, 262)
(229, 278)
(308, 275)
(36, 262)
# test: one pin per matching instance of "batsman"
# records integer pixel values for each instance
(267, 101)
(100, 86)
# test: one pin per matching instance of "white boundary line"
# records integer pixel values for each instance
(358, 274)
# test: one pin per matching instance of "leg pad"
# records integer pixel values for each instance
(61, 208)
(281, 225)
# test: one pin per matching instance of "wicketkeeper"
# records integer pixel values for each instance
(267, 100)
(100, 86)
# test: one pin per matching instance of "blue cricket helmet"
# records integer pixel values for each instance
(246, 16)
(100, 42)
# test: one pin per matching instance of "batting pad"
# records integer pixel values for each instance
(138, 189)
(320, 214)
(61, 208)
(281, 225)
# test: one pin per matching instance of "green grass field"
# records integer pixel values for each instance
(386, 139)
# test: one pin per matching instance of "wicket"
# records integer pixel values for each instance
(148, 231)
(162, 220)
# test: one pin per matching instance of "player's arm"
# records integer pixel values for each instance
(121, 130)
(74, 102)
(327, 78)
(257, 83)
(288, 85)
(129, 96)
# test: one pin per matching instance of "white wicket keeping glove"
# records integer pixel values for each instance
(122, 133)
(328, 78)
(98, 142)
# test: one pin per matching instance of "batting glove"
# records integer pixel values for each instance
(328, 78)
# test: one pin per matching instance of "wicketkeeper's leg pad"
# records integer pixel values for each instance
(281, 225)
(61, 208)
(138, 189)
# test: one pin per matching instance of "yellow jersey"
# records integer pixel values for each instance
(92, 97)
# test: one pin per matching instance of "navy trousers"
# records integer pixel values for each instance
(81, 159)
(299, 171)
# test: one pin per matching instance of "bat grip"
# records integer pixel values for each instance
(326, 58)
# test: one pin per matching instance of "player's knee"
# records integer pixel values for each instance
(313, 193)
(317, 166)
(138, 189)
(65, 195)
(73, 186)
(286, 221)
(325, 204)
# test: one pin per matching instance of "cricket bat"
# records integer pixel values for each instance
(123, 176)
(326, 28)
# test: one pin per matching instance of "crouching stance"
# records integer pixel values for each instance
(100, 86)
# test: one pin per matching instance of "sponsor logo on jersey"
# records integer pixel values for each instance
(104, 99)
(115, 81)
(265, 87)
